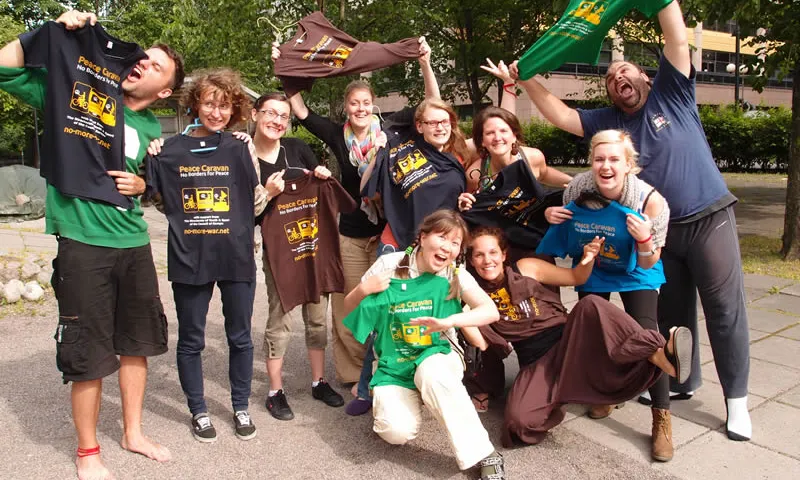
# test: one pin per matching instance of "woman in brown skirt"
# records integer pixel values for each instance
(597, 354)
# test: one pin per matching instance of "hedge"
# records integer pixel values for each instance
(739, 140)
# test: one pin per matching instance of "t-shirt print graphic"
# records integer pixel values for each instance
(214, 199)
(87, 100)
(321, 53)
(302, 236)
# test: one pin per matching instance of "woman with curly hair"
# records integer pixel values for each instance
(209, 186)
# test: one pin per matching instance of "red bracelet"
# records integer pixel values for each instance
(512, 87)
(88, 452)
(645, 240)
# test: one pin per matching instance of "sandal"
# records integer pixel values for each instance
(681, 355)
(481, 404)
(492, 467)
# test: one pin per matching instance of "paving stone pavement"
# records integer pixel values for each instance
(322, 442)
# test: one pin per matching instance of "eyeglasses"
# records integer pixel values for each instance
(209, 107)
(435, 123)
(271, 114)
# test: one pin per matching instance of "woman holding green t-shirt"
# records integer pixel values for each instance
(408, 298)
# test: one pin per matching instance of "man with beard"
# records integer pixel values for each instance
(110, 312)
(702, 249)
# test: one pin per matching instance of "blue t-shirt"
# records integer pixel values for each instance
(616, 268)
(673, 150)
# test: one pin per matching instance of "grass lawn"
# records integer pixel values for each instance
(761, 255)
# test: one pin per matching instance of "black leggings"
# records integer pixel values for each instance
(642, 305)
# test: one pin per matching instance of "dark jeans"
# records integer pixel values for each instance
(642, 305)
(191, 304)
(703, 257)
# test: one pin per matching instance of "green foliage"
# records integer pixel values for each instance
(558, 146)
(743, 141)
(16, 118)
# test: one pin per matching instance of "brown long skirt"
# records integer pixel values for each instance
(601, 359)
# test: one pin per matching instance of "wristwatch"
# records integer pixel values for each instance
(649, 253)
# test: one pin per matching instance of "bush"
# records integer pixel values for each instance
(739, 140)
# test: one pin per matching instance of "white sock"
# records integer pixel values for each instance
(739, 418)
(314, 384)
(272, 393)
(646, 395)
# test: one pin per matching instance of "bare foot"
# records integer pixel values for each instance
(144, 446)
(354, 390)
(91, 468)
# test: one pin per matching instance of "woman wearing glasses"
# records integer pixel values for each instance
(279, 156)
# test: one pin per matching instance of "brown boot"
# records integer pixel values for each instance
(597, 412)
(662, 450)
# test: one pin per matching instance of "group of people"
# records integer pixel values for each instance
(426, 232)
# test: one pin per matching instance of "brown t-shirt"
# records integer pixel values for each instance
(526, 307)
(318, 50)
(302, 239)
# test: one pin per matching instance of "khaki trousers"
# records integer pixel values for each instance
(358, 254)
(398, 410)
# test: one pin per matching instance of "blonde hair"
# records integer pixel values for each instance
(440, 221)
(619, 137)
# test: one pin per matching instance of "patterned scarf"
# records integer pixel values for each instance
(361, 155)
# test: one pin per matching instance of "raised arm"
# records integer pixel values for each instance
(299, 107)
(428, 77)
(676, 43)
(547, 273)
(501, 71)
(553, 109)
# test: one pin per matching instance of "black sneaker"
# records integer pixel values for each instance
(324, 392)
(202, 428)
(278, 406)
(245, 429)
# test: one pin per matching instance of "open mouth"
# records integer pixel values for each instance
(607, 176)
(135, 74)
(441, 258)
(624, 88)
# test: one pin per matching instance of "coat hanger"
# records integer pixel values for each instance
(278, 31)
(195, 125)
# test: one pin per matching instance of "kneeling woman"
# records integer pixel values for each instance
(597, 354)
(408, 298)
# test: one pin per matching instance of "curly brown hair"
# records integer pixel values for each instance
(226, 85)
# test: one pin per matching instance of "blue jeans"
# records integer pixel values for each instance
(191, 305)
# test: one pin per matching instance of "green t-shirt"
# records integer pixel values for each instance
(400, 346)
(89, 222)
(579, 33)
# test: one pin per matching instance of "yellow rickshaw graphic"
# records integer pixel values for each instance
(302, 229)
(590, 11)
(415, 335)
(205, 199)
(411, 162)
(609, 252)
(338, 57)
(86, 99)
(502, 299)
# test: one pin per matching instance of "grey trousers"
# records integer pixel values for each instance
(703, 256)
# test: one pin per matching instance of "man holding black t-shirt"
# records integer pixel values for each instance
(104, 277)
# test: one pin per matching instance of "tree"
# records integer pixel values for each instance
(16, 119)
(776, 35)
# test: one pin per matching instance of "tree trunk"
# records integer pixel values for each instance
(791, 225)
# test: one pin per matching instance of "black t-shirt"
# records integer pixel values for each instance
(84, 123)
(515, 203)
(414, 180)
(293, 153)
(208, 199)
(354, 224)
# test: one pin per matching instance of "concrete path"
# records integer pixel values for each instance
(322, 442)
